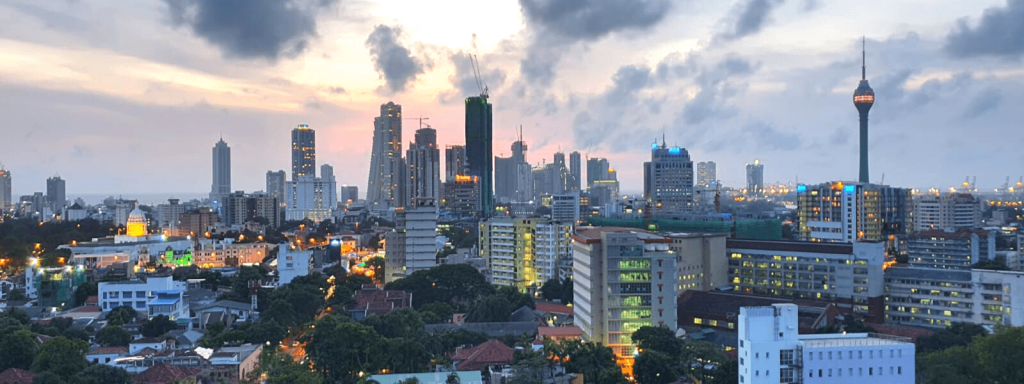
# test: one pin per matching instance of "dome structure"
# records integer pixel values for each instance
(137, 224)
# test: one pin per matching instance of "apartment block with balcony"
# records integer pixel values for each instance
(525, 252)
(938, 298)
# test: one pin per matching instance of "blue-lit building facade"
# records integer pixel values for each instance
(668, 180)
(849, 212)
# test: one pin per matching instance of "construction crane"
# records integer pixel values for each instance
(421, 118)
(476, 73)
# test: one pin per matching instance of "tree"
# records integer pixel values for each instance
(48, 378)
(655, 367)
(590, 359)
(701, 359)
(17, 314)
(103, 374)
(281, 368)
(121, 315)
(340, 350)
(157, 326)
(83, 292)
(263, 331)
(17, 350)
(999, 354)
(551, 290)
(954, 365)
(529, 369)
(458, 284)
(958, 334)
(661, 339)
(406, 355)
(376, 264)
(442, 311)
(517, 299)
(567, 294)
(492, 309)
(113, 336)
(727, 373)
(403, 322)
(63, 356)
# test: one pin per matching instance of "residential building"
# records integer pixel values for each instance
(423, 168)
(168, 215)
(598, 169)
(277, 184)
(53, 287)
(950, 211)
(849, 212)
(416, 230)
(479, 149)
(56, 194)
(706, 174)
(349, 194)
(699, 262)
(623, 279)
(525, 252)
(373, 301)
(234, 364)
(565, 208)
(221, 185)
(5, 190)
(755, 178)
(849, 274)
(197, 221)
(668, 180)
(168, 303)
(134, 293)
(394, 251)
(292, 263)
(462, 196)
(303, 152)
(939, 298)
(950, 249)
(240, 207)
(226, 253)
(455, 162)
(229, 312)
(385, 186)
(311, 198)
(771, 351)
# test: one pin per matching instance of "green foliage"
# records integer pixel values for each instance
(701, 359)
(459, 237)
(113, 336)
(263, 331)
(17, 315)
(593, 360)
(376, 264)
(85, 290)
(121, 315)
(567, 294)
(103, 374)
(403, 322)
(656, 367)
(19, 236)
(997, 264)
(340, 350)
(297, 302)
(281, 368)
(516, 299)
(529, 369)
(551, 290)
(62, 356)
(442, 311)
(406, 355)
(16, 295)
(849, 324)
(17, 350)
(157, 326)
(458, 284)
(959, 334)
(661, 339)
(491, 309)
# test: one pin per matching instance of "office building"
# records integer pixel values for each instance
(303, 152)
(311, 198)
(755, 178)
(349, 194)
(705, 185)
(699, 262)
(604, 192)
(849, 274)
(55, 194)
(950, 211)
(524, 253)
(455, 162)
(225, 253)
(597, 169)
(863, 99)
(394, 249)
(950, 249)
(327, 175)
(423, 167)
(221, 171)
(848, 212)
(707, 173)
(575, 172)
(240, 207)
(479, 150)
(550, 179)
(668, 180)
(623, 279)
(565, 208)
(5, 190)
(277, 183)
(772, 351)
(939, 298)
(412, 246)
(462, 196)
(385, 186)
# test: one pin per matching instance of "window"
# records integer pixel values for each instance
(810, 373)
(786, 357)
(810, 356)
(820, 354)
(839, 371)
(851, 355)
(892, 354)
(899, 370)
(860, 354)
(757, 355)
(757, 373)
(871, 354)
(830, 355)
(819, 373)
(891, 370)
(860, 371)
(127, 294)
(742, 362)
(741, 343)
(871, 371)
(767, 355)
(830, 372)
(851, 372)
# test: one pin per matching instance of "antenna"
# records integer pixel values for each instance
(863, 58)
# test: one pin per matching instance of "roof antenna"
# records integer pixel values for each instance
(863, 58)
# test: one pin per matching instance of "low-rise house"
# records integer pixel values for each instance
(167, 373)
(156, 344)
(16, 376)
(233, 364)
(229, 312)
(106, 355)
(372, 301)
(487, 354)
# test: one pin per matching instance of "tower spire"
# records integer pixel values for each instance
(863, 58)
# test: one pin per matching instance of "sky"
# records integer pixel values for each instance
(121, 97)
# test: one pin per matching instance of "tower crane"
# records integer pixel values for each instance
(475, 63)
(421, 118)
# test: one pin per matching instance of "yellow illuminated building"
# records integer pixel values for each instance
(137, 225)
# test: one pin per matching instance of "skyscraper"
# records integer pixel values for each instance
(423, 166)
(513, 175)
(455, 162)
(5, 189)
(276, 182)
(55, 194)
(327, 175)
(349, 194)
(575, 173)
(863, 99)
(597, 169)
(848, 212)
(755, 178)
(303, 152)
(668, 179)
(706, 173)
(221, 171)
(384, 187)
(479, 152)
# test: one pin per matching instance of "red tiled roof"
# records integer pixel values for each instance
(569, 331)
(381, 302)
(108, 351)
(16, 376)
(902, 330)
(544, 306)
(492, 352)
(92, 300)
(165, 373)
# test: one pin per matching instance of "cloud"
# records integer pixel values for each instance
(839, 137)
(556, 23)
(1000, 33)
(748, 19)
(611, 118)
(464, 80)
(337, 90)
(811, 5)
(393, 62)
(251, 29)
(764, 136)
(716, 89)
(983, 102)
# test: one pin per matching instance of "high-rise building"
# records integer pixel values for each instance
(420, 235)
(565, 207)
(949, 249)
(863, 99)
(848, 212)
(423, 168)
(597, 169)
(707, 173)
(385, 185)
(241, 207)
(303, 152)
(668, 180)
(276, 184)
(5, 190)
(479, 150)
(513, 176)
(524, 253)
(699, 262)
(327, 175)
(755, 178)
(625, 279)
(55, 194)
(950, 211)
(221, 171)
(168, 215)
(575, 172)
(771, 350)
(349, 194)
(462, 196)
(455, 162)
(311, 198)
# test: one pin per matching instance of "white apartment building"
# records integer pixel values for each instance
(135, 293)
(623, 279)
(771, 351)
(311, 198)
(950, 211)
(292, 263)
(421, 235)
(524, 253)
(940, 297)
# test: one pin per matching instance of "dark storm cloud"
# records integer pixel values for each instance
(626, 82)
(556, 23)
(611, 123)
(983, 102)
(393, 62)
(1000, 33)
(749, 18)
(251, 29)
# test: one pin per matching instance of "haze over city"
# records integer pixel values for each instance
(128, 97)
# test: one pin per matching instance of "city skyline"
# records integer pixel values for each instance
(747, 90)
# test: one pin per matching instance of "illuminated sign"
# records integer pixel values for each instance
(674, 151)
(801, 188)
(465, 178)
(654, 145)
(849, 189)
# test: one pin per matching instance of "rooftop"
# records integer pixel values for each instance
(790, 246)
(591, 235)
(165, 373)
(18, 376)
(851, 340)
(492, 352)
